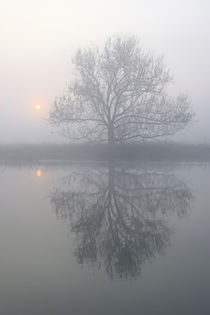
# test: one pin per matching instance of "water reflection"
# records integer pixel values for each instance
(120, 216)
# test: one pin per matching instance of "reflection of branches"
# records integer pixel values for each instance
(120, 216)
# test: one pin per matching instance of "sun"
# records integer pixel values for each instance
(38, 107)
(38, 173)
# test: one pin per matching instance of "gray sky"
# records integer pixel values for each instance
(39, 38)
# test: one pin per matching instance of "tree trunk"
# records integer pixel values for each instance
(111, 136)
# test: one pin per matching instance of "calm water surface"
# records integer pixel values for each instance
(105, 239)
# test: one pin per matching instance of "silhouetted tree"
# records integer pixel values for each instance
(120, 216)
(119, 95)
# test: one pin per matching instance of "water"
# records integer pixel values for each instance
(105, 239)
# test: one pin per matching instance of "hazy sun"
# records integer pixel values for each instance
(38, 173)
(38, 107)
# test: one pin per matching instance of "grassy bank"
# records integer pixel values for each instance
(141, 152)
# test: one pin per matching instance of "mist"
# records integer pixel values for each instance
(104, 157)
(38, 41)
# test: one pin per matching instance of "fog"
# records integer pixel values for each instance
(106, 220)
(39, 38)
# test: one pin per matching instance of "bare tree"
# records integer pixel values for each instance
(119, 95)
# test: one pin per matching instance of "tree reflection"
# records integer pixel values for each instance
(120, 216)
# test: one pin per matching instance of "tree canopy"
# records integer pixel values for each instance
(119, 95)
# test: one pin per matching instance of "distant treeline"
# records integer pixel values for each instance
(103, 152)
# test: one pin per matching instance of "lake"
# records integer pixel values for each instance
(105, 238)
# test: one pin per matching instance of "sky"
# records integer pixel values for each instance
(39, 38)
